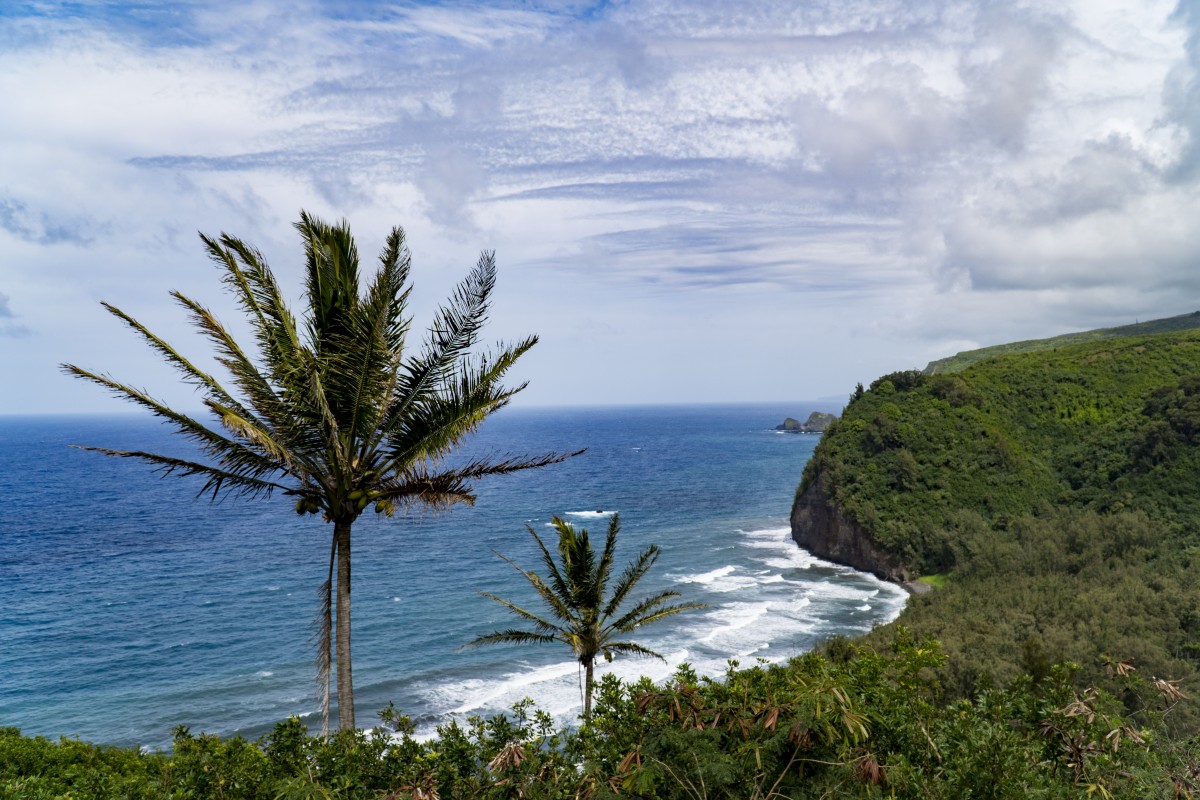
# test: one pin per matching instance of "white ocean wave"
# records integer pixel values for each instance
(831, 590)
(482, 694)
(734, 618)
(766, 533)
(724, 579)
(708, 577)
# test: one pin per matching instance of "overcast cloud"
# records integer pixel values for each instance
(690, 201)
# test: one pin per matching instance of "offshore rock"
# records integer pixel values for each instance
(820, 527)
(817, 422)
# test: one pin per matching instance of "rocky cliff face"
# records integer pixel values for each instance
(820, 528)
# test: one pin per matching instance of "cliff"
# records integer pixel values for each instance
(821, 528)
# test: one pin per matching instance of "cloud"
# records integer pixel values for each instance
(1006, 72)
(42, 228)
(1182, 89)
(8, 328)
(950, 171)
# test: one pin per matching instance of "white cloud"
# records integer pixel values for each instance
(910, 175)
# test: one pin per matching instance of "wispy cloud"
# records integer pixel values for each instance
(42, 228)
(950, 171)
(7, 326)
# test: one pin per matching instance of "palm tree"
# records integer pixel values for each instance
(581, 617)
(335, 409)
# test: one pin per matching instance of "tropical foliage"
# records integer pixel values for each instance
(338, 408)
(1054, 492)
(850, 722)
(584, 615)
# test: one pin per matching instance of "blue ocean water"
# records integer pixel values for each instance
(128, 607)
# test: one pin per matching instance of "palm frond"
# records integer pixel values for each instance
(633, 573)
(453, 331)
(191, 373)
(543, 626)
(330, 437)
(559, 584)
(632, 648)
(331, 276)
(236, 456)
(649, 610)
(579, 566)
(372, 356)
(604, 568)
(254, 386)
(456, 326)
(559, 605)
(222, 255)
(416, 483)
(458, 405)
(218, 480)
(286, 394)
(512, 636)
(261, 439)
(254, 285)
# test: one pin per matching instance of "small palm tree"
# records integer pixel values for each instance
(337, 409)
(581, 616)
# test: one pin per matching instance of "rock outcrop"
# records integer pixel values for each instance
(820, 527)
(817, 422)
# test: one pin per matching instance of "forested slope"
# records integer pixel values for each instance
(1054, 494)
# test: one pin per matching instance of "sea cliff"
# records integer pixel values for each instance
(821, 528)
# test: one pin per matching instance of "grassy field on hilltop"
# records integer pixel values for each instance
(960, 361)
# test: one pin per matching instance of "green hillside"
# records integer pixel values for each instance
(960, 361)
(1057, 493)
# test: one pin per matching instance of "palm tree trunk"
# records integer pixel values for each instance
(325, 640)
(587, 691)
(345, 682)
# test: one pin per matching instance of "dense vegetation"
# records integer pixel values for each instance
(1055, 493)
(960, 361)
(847, 723)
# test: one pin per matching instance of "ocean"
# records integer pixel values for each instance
(129, 607)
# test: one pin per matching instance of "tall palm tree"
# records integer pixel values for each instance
(335, 409)
(581, 615)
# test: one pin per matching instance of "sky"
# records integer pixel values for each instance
(689, 200)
